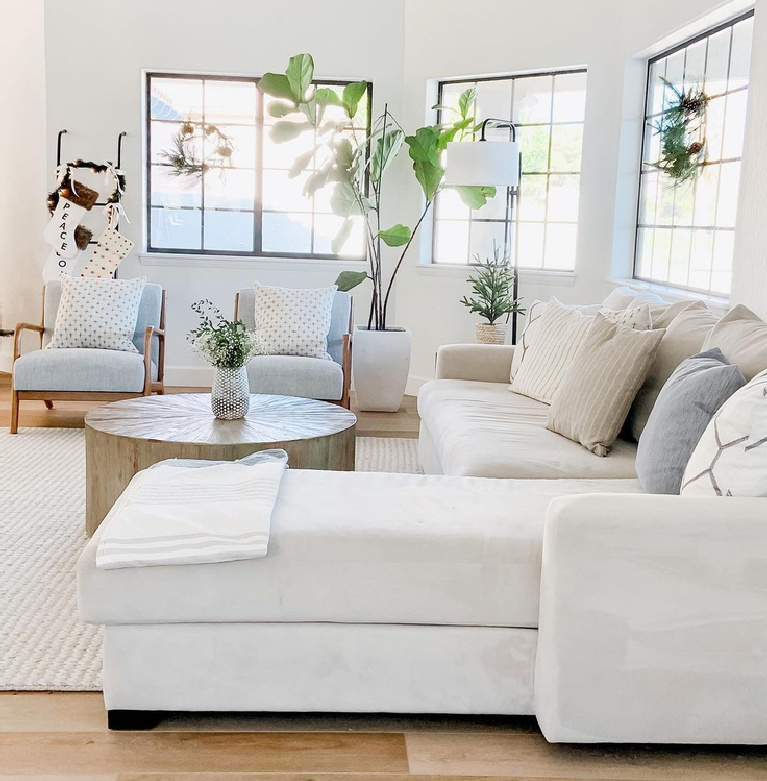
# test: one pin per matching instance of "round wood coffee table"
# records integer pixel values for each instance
(127, 436)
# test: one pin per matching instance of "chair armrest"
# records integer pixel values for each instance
(150, 332)
(653, 620)
(20, 327)
(478, 362)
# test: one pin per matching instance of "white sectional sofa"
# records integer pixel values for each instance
(473, 425)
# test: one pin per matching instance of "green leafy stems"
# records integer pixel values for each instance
(355, 163)
(492, 286)
(225, 344)
(682, 132)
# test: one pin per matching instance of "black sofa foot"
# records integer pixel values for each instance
(133, 719)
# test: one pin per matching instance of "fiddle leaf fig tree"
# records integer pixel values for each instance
(355, 164)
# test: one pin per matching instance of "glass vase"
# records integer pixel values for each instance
(230, 395)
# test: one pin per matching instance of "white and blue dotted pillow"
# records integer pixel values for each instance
(97, 313)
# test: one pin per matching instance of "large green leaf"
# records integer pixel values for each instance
(352, 95)
(300, 164)
(466, 102)
(276, 85)
(425, 154)
(343, 201)
(317, 180)
(287, 131)
(396, 236)
(387, 148)
(475, 197)
(327, 97)
(348, 280)
(345, 154)
(300, 73)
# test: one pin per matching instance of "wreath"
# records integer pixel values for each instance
(183, 157)
(682, 132)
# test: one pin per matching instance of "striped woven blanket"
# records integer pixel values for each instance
(193, 512)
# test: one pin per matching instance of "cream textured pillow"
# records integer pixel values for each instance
(561, 331)
(294, 321)
(97, 313)
(684, 337)
(742, 337)
(731, 456)
(533, 327)
(595, 396)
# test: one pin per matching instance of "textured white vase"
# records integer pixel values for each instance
(230, 394)
(380, 367)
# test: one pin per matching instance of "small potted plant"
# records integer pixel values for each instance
(492, 286)
(227, 346)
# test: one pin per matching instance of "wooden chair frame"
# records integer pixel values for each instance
(346, 357)
(49, 396)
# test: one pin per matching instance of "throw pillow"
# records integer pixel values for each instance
(638, 317)
(294, 321)
(742, 337)
(624, 297)
(684, 337)
(687, 402)
(561, 331)
(97, 313)
(594, 398)
(532, 328)
(731, 457)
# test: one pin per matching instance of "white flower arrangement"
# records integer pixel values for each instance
(225, 344)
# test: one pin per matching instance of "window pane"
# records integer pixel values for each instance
(706, 196)
(684, 204)
(327, 227)
(721, 274)
(680, 257)
(530, 237)
(695, 67)
(701, 259)
(740, 61)
(494, 99)
(569, 97)
(729, 179)
(176, 228)
(648, 198)
(452, 244)
(176, 98)
(644, 252)
(532, 198)
(534, 148)
(169, 189)
(228, 102)
(494, 209)
(483, 236)
(532, 99)
(229, 188)
(232, 231)
(243, 139)
(660, 254)
(735, 125)
(566, 145)
(283, 155)
(560, 246)
(563, 198)
(718, 64)
(285, 194)
(287, 233)
(450, 206)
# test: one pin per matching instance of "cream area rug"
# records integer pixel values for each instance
(43, 645)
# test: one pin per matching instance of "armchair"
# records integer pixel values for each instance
(293, 375)
(88, 374)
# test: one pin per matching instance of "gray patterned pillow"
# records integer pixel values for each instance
(97, 313)
(294, 321)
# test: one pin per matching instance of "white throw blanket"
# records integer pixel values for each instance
(193, 512)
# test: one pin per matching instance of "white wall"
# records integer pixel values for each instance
(22, 165)
(407, 43)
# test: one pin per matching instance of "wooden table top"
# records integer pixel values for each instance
(187, 417)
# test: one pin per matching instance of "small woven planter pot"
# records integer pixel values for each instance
(491, 334)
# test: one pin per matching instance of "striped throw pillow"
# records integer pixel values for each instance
(560, 332)
(594, 398)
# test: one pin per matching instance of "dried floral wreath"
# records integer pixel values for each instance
(682, 132)
(183, 157)
(65, 181)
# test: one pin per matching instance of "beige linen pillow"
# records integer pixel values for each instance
(684, 337)
(561, 331)
(594, 398)
(742, 337)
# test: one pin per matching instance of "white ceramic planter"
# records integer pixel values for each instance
(380, 365)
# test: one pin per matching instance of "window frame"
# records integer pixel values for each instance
(258, 210)
(670, 51)
(441, 84)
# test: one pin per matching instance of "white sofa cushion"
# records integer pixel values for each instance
(480, 429)
(360, 547)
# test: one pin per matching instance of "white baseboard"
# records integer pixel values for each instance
(6, 363)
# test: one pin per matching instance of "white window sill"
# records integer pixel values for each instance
(180, 260)
(715, 303)
(533, 276)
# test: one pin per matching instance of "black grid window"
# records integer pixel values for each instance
(548, 111)
(245, 203)
(685, 234)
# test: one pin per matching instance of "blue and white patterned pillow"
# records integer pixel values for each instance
(97, 313)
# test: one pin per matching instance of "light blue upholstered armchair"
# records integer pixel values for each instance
(293, 375)
(89, 374)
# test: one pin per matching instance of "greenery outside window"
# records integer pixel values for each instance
(548, 109)
(216, 182)
(685, 233)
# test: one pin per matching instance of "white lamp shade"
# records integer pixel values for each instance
(482, 164)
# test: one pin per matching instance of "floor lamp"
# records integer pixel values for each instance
(490, 164)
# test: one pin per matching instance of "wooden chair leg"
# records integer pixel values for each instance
(48, 404)
(14, 412)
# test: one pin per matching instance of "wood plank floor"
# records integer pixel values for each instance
(58, 736)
